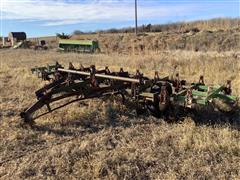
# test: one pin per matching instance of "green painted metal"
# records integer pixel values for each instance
(78, 45)
(181, 93)
(201, 101)
(76, 42)
(214, 93)
(199, 93)
(202, 87)
(180, 98)
(47, 69)
(202, 94)
(226, 97)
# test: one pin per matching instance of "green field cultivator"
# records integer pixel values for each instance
(158, 96)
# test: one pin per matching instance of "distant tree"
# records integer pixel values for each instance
(100, 31)
(77, 32)
(63, 36)
(217, 23)
(148, 28)
(113, 30)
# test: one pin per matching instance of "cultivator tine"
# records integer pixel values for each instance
(138, 74)
(189, 98)
(121, 73)
(94, 81)
(201, 80)
(121, 70)
(81, 67)
(71, 67)
(156, 76)
(228, 88)
(107, 71)
(177, 83)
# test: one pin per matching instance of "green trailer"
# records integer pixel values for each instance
(82, 46)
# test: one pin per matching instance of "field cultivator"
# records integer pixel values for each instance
(158, 96)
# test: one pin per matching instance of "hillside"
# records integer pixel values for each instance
(192, 41)
(210, 25)
(210, 35)
(128, 43)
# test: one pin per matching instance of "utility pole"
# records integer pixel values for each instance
(136, 18)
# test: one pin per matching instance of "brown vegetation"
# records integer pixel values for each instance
(211, 25)
(220, 34)
(128, 43)
(193, 41)
(105, 139)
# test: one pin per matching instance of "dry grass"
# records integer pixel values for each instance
(106, 140)
(128, 43)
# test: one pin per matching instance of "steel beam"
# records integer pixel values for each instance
(126, 79)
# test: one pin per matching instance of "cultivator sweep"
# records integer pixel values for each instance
(159, 96)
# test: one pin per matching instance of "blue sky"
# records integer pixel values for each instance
(48, 17)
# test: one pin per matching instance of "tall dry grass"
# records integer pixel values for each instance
(204, 40)
(100, 139)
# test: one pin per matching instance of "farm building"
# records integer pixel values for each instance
(15, 37)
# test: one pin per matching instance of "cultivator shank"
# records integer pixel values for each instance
(159, 96)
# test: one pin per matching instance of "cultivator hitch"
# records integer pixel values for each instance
(159, 96)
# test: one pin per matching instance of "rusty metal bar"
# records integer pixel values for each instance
(132, 80)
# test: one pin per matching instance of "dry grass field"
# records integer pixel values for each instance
(204, 40)
(101, 139)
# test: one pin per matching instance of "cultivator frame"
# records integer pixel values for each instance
(159, 96)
